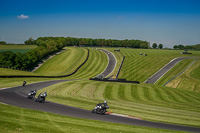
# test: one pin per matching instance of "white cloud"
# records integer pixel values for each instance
(22, 16)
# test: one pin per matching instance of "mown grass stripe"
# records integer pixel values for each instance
(121, 92)
(134, 92)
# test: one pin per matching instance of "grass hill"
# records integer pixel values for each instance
(149, 102)
(14, 119)
(178, 105)
(64, 63)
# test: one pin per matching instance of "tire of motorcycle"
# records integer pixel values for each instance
(102, 112)
(93, 111)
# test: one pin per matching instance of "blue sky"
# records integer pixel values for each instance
(169, 22)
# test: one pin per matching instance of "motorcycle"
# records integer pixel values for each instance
(100, 108)
(31, 94)
(24, 83)
(41, 97)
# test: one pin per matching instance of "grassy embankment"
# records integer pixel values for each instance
(14, 119)
(139, 67)
(178, 68)
(64, 63)
(189, 80)
(149, 102)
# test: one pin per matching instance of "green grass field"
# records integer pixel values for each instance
(96, 64)
(177, 105)
(15, 120)
(149, 102)
(181, 66)
(138, 67)
(64, 63)
(189, 80)
(18, 46)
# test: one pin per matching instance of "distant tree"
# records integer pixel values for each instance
(2, 43)
(181, 47)
(175, 46)
(30, 41)
(196, 47)
(144, 45)
(160, 46)
(154, 45)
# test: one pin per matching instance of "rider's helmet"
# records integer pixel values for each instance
(105, 101)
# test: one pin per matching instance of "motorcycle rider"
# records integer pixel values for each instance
(105, 103)
(24, 83)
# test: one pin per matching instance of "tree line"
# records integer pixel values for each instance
(188, 47)
(49, 45)
(29, 59)
(70, 41)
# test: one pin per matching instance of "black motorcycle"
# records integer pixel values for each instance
(100, 108)
(31, 94)
(41, 97)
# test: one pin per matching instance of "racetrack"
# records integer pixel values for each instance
(16, 96)
(165, 69)
(111, 64)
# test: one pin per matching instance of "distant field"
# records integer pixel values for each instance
(15, 119)
(149, 102)
(16, 48)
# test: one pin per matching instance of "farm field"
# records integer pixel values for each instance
(16, 48)
(149, 102)
(15, 119)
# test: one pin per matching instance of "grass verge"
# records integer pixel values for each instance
(15, 119)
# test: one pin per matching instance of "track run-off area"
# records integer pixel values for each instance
(16, 96)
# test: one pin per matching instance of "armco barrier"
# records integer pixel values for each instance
(120, 67)
(29, 76)
(114, 80)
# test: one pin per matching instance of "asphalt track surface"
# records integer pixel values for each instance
(16, 96)
(111, 64)
(165, 69)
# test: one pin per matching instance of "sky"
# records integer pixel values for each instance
(170, 22)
